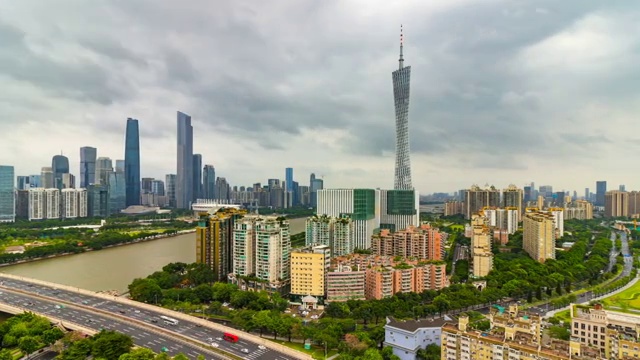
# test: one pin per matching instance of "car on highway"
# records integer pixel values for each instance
(219, 338)
(215, 344)
(262, 347)
(245, 350)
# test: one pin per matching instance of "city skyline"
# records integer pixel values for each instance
(494, 101)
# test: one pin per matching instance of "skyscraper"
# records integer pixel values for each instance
(7, 197)
(170, 186)
(59, 165)
(104, 167)
(197, 177)
(87, 166)
(23, 183)
(601, 189)
(401, 82)
(209, 182)
(132, 162)
(184, 183)
(120, 166)
(47, 177)
(117, 191)
(288, 176)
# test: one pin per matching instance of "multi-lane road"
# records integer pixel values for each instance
(138, 322)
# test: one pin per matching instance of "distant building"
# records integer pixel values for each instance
(539, 236)
(131, 164)
(117, 192)
(7, 194)
(170, 185)
(616, 204)
(481, 241)
(22, 204)
(59, 166)
(23, 183)
(424, 242)
(52, 203)
(197, 177)
(513, 198)
(184, 181)
(70, 206)
(98, 201)
(453, 208)
(601, 190)
(46, 175)
(37, 204)
(476, 199)
(337, 233)
(503, 219)
(104, 167)
(209, 182)
(87, 166)
(68, 181)
(406, 337)
(582, 210)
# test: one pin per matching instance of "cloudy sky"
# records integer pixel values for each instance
(501, 91)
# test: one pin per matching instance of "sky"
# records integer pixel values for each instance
(501, 91)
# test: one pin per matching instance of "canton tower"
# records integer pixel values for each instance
(401, 82)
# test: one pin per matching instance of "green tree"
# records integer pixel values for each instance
(52, 335)
(145, 290)
(138, 354)
(110, 345)
(180, 356)
(431, 352)
(5, 354)
(29, 344)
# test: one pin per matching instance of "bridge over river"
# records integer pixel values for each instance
(90, 312)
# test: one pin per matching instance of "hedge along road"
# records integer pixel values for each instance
(115, 268)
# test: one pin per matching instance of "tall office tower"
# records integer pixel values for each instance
(482, 257)
(104, 167)
(539, 236)
(359, 204)
(616, 203)
(214, 240)
(7, 194)
(587, 194)
(401, 87)
(223, 191)
(273, 183)
(512, 198)
(69, 203)
(527, 194)
(209, 182)
(119, 166)
(47, 177)
(184, 183)
(68, 181)
(98, 201)
(475, 199)
(311, 178)
(59, 166)
(22, 204)
(145, 185)
(277, 197)
(23, 183)
(316, 184)
(621, 188)
(197, 177)
(87, 166)
(35, 181)
(601, 190)
(399, 209)
(52, 203)
(546, 191)
(170, 186)
(288, 187)
(132, 162)
(117, 192)
(37, 204)
(157, 187)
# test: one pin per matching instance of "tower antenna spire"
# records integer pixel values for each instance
(401, 60)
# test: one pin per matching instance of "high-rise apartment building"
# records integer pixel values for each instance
(184, 182)
(336, 233)
(558, 221)
(634, 204)
(314, 186)
(308, 269)
(83, 203)
(59, 166)
(582, 210)
(132, 162)
(214, 240)
(513, 198)
(424, 243)
(209, 182)
(7, 194)
(104, 167)
(37, 204)
(601, 190)
(46, 174)
(503, 219)
(87, 166)
(197, 177)
(616, 203)
(52, 203)
(401, 90)
(539, 235)
(223, 190)
(453, 208)
(344, 283)
(475, 199)
(170, 184)
(481, 240)
(70, 206)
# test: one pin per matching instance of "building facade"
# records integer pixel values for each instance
(214, 240)
(170, 186)
(337, 233)
(476, 199)
(308, 270)
(7, 194)
(209, 182)
(345, 283)
(424, 242)
(616, 203)
(59, 166)
(132, 162)
(539, 236)
(184, 180)
(197, 177)
(87, 166)
(104, 167)
(481, 241)
(359, 204)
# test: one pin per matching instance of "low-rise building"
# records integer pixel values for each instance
(345, 283)
(406, 337)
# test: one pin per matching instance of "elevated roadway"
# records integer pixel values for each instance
(94, 311)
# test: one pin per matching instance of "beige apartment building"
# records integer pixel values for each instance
(345, 283)
(482, 257)
(308, 271)
(423, 242)
(616, 203)
(539, 236)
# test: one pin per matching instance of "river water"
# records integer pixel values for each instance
(115, 268)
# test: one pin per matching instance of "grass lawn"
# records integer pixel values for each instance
(459, 227)
(564, 316)
(628, 299)
(317, 352)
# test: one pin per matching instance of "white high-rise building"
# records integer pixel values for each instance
(273, 250)
(503, 218)
(337, 233)
(244, 246)
(82, 203)
(558, 221)
(52, 203)
(36, 204)
(69, 203)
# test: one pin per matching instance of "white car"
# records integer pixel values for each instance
(215, 344)
(137, 311)
(262, 347)
(219, 338)
(245, 350)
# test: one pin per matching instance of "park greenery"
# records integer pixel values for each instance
(291, 213)
(49, 238)
(26, 333)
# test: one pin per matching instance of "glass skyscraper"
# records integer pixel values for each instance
(87, 166)
(132, 162)
(170, 188)
(401, 82)
(117, 192)
(197, 177)
(288, 178)
(59, 165)
(7, 194)
(184, 183)
(209, 183)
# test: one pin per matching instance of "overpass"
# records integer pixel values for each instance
(90, 312)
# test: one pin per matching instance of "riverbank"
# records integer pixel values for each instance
(87, 250)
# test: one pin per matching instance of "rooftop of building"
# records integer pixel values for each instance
(381, 260)
(139, 209)
(415, 325)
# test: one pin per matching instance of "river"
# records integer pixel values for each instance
(115, 268)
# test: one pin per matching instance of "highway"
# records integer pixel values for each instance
(81, 313)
